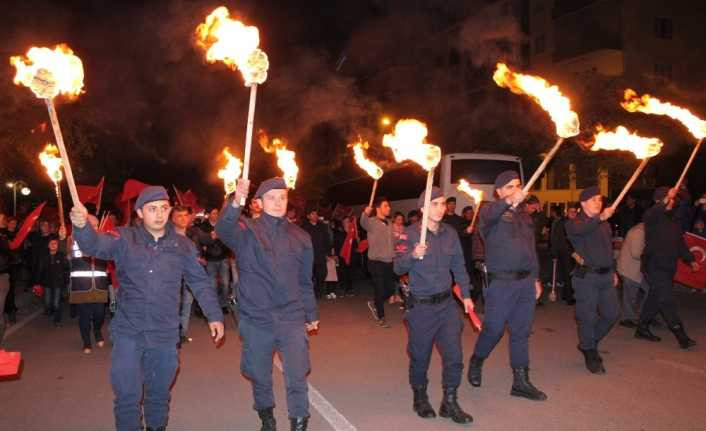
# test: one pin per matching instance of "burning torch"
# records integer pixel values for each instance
(52, 164)
(476, 195)
(230, 173)
(370, 167)
(408, 142)
(235, 44)
(49, 73)
(550, 99)
(621, 139)
(285, 158)
(651, 105)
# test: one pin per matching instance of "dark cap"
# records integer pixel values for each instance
(451, 199)
(588, 193)
(660, 193)
(151, 194)
(275, 183)
(532, 200)
(435, 194)
(467, 208)
(504, 178)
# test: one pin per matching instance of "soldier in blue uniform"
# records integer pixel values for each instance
(513, 271)
(276, 300)
(432, 315)
(594, 279)
(151, 259)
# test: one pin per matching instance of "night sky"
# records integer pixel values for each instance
(154, 110)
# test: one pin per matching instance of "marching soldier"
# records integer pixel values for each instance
(594, 279)
(664, 245)
(432, 316)
(151, 259)
(276, 300)
(513, 271)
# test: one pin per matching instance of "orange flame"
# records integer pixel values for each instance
(235, 44)
(370, 167)
(651, 105)
(408, 142)
(547, 96)
(52, 162)
(49, 73)
(231, 172)
(621, 139)
(285, 158)
(475, 194)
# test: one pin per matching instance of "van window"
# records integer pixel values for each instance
(480, 171)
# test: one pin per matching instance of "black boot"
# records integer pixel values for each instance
(299, 424)
(421, 402)
(157, 429)
(268, 419)
(475, 371)
(684, 341)
(643, 332)
(593, 360)
(450, 408)
(522, 387)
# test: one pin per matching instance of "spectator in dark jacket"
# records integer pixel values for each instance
(38, 241)
(629, 215)
(216, 255)
(321, 241)
(53, 276)
(562, 251)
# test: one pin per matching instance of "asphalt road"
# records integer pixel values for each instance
(360, 372)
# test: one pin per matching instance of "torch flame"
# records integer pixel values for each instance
(651, 105)
(231, 172)
(408, 142)
(49, 72)
(547, 96)
(235, 44)
(285, 158)
(475, 194)
(622, 139)
(370, 167)
(52, 162)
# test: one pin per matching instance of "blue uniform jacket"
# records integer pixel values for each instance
(432, 274)
(150, 274)
(592, 240)
(509, 239)
(275, 261)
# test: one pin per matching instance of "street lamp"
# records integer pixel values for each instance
(24, 191)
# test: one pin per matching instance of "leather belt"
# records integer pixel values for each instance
(503, 275)
(433, 299)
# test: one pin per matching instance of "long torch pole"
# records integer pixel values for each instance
(59, 203)
(372, 195)
(62, 150)
(543, 166)
(248, 135)
(475, 217)
(630, 182)
(427, 200)
(688, 164)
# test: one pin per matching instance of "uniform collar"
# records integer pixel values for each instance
(275, 222)
(168, 231)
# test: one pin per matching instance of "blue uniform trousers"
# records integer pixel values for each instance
(290, 340)
(137, 368)
(508, 303)
(438, 324)
(597, 307)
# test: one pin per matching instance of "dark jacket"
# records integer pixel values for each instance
(38, 245)
(628, 217)
(6, 258)
(320, 239)
(455, 220)
(432, 274)
(275, 262)
(150, 274)
(664, 241)
(213, 250)
(53, 271)
(592, 240)
(558, 239)
(508, 235)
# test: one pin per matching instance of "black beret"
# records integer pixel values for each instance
(435, 194)
(505, 177)
(588, 193)
(151, 194)
(275, 183)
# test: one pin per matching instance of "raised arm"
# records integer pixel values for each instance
(92, 243)
(490, 215)
(228, 228)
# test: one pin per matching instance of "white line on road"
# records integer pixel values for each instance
(324, 407)
(16, 327)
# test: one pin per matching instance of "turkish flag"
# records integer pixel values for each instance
(91, 194)
(26, 227)
(132, 189)
(9, 363)
(685, 276)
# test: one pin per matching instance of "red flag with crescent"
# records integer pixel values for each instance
(685, 276)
